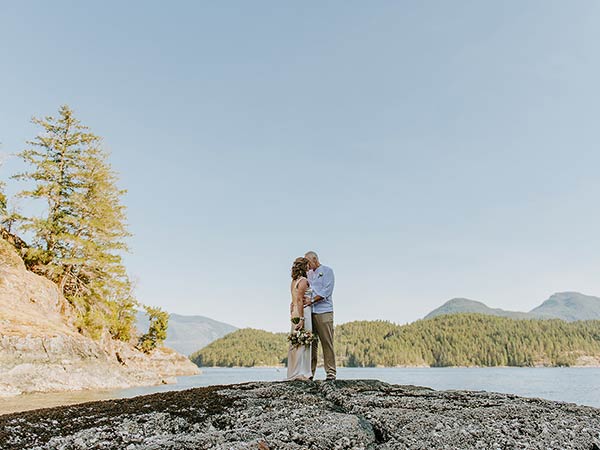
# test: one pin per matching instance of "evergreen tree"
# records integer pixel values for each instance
(157, 330)
(94, 269)
(55, 158)
(78, 241)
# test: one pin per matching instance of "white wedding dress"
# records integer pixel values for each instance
(299, 358)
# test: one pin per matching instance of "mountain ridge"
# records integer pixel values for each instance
(464, 305)
(569, 306)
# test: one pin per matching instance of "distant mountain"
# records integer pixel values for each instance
(187, 334)
(464, 305)
(568, 306)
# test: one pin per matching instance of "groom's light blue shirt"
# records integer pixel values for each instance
(321, 282)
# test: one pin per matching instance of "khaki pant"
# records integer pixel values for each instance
(323, 327)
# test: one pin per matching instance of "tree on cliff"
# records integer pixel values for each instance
(78, 239)
(157, 331)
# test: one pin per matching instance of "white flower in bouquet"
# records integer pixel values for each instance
(301, 337)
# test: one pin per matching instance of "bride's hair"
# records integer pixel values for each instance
(299, 268)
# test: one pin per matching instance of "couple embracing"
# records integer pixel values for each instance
(311, 314)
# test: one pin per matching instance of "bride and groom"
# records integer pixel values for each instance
(311, 314)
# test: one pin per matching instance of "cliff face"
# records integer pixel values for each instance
(349, 414)
(41, 351)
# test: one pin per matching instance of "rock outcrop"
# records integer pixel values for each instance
(358, 414)
(41, 351)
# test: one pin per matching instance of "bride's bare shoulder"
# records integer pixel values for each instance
(300, 282)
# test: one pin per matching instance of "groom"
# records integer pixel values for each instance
(321, 281)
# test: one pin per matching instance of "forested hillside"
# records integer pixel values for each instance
(246, 348)
(452, 340)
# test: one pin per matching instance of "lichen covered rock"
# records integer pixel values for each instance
(358, 414)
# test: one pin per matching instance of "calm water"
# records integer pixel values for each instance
(576, 385)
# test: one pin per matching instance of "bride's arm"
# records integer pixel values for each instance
(302, 286)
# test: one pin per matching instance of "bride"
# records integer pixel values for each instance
(299, 357)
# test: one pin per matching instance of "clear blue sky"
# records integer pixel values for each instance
(426, 150)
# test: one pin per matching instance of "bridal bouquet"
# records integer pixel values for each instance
(301, 337)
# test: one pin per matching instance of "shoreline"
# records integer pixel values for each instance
(438, 379)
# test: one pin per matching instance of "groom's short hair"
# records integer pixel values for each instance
(311, 253)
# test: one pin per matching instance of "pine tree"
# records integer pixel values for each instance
(78, 241)
(55, 156)
(95, 269)
(157, 330)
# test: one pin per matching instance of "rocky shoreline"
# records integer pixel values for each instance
(42, 351)
(71, 362)
(352, 414)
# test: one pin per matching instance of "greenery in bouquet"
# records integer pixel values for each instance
(301, 337)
